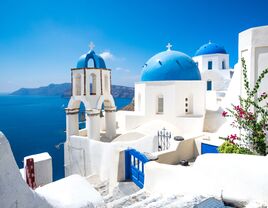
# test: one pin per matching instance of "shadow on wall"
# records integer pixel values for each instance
(14, 191)
(213, 120)
(186, 150)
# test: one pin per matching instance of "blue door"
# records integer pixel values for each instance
(207, 148)
(134, 164)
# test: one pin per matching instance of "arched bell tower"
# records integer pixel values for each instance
(91, 85)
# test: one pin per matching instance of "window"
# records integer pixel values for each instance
(209, 65)
(160, 104)
(223, 65)
(77, 85)
(106, 83)
(209, 85)
(92, 84)
(186, 106)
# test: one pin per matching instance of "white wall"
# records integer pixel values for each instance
(14, 192)
(232, 176)
(216, 61)
(42, 168)
(253, 46)
(86, 156)
(174, 94)
(220, 77)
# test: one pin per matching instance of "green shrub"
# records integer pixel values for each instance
(229, 147)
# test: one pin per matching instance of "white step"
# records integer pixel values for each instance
(129, 200)
(146, 201)
(186, 201)
(164, 201)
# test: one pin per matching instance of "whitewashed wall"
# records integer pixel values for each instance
(88, 157)
(14, 192)
(232, 176)
(253, 46)
(174, 94)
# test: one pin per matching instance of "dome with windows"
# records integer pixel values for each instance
(170, 66)
(210, 48)
(97, 60)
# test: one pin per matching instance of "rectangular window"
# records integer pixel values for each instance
(209, 85)
(223, 65)
(160, 105)
(209, 65)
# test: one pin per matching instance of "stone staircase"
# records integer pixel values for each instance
(127, 194)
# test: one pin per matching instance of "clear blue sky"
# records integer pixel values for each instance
(41, 40)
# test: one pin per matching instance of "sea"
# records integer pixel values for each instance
(36, 124)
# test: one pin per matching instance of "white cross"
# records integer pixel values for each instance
(91, 45)
(169, 46)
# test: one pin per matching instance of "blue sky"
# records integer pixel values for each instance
(41, 40)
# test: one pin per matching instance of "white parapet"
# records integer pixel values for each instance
(42, 168)
(14, 192)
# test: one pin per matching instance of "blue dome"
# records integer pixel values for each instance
(210, 48)
(170, 65)
(98, 61)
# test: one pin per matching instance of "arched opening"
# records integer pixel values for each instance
(209, 85)
(90, 63)
(82, 118)
(106, 84)
(160, 104)
(92, 84)
(77, 84)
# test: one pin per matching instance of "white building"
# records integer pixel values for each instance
(170, 90)
(213, 63)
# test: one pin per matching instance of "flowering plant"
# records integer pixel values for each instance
(250, 117)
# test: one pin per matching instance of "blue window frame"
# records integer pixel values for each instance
(209, 85)
(223, 65)
(209, 65)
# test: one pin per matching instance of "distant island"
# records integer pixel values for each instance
(65, 91)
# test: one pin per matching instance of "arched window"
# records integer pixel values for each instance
(93, 84)
(77, 84)
(106, 87)
(82, 116)
(160, 104)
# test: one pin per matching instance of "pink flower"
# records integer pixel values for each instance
(232, 138)
(224, 113)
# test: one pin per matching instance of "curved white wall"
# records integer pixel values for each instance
(14, 192)
(232, 176)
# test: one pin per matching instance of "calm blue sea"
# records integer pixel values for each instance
(35, 124)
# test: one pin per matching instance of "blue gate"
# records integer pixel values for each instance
(134, 164)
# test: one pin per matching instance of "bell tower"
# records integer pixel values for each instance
(91, 85)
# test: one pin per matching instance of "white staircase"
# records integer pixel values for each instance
(127, 194)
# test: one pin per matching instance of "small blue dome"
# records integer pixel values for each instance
(170, 65)
(210, 48)
(98, 61)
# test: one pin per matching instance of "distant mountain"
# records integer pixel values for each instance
(65, 90)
